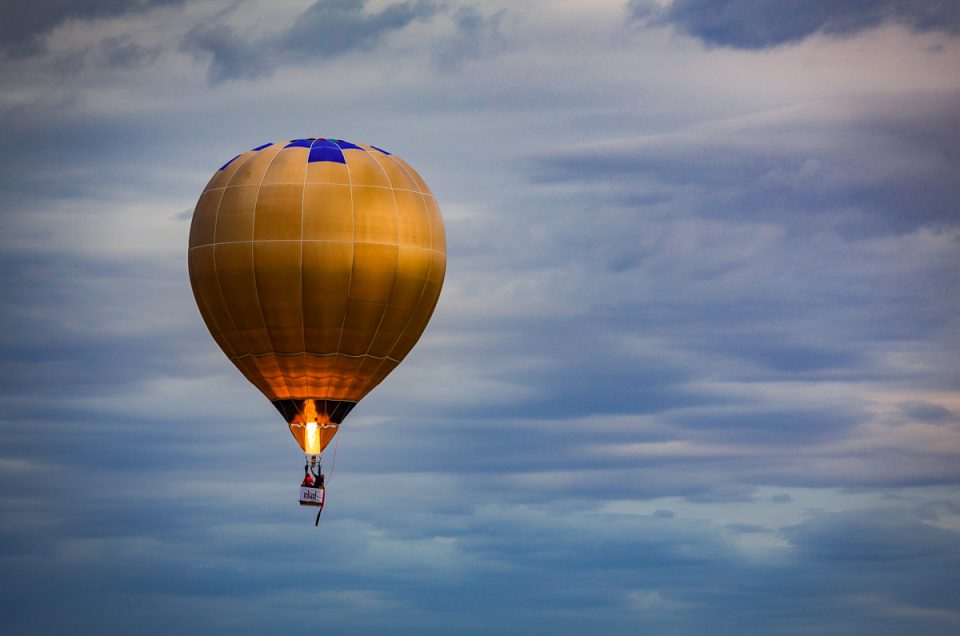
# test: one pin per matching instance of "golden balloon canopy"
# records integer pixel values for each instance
(316, 265)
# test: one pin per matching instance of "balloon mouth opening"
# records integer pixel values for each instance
(322, 411)
(313, 436)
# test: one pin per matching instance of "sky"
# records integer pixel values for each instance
(693, 370)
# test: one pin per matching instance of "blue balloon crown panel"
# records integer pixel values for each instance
(321, 149)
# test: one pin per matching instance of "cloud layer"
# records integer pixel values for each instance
(693, 368)
(752, 24)
(324, 30)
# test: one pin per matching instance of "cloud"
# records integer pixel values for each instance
(476, 34)
(877, 166)
(123, 52)
(327, 29)
(23, 22)
(231, 54)
(927, 412)
(875, 536)
(698, 330)
(762, 24)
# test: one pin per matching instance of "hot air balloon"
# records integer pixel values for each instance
(316, 264)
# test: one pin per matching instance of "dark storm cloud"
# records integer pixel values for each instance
(884, 165)
(23, 22)
(760, 24)
(329, 28)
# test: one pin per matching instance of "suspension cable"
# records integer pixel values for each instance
(333, 463)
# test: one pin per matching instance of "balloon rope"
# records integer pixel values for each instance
(336, 444)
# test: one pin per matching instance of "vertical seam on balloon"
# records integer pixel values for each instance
(400, 163)
(303, 299)
(353, 264)
(231, 351)
(234, 167)
(396, 271)
(253, 262)
(236, 356)
(423, 289)
(226, 307)
(213, 252)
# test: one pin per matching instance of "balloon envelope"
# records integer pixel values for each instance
(316, 264)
